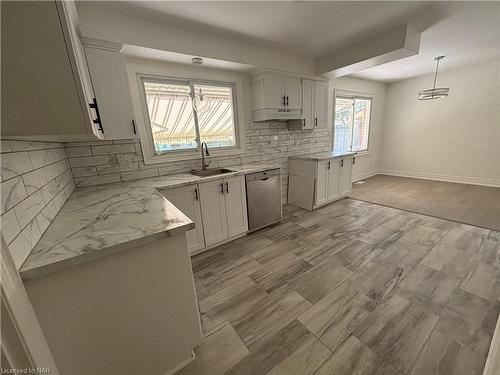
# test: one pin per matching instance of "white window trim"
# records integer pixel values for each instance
(172, 72)
(353, 94)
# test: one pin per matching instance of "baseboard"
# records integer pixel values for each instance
(492, 366)
(441, 177)
(364, 175)
(181, 365)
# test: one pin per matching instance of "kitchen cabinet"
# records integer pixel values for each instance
(276, 91)
(187, 199)
(108, 73)
(320, 104)
(71, 93)
(218, 209)
(213, 208)
(345, 178)
(46, 97)
(236, 205)
(276, 97)
(223, 208)
(315, 182)
(314, 104)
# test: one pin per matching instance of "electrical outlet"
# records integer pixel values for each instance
(124, 160)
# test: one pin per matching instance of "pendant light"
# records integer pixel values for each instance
(201, 103)
(435, 92)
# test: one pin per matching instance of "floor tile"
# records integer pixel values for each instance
(397, 332)
(218, 353)
(315, 283)
(280, 308)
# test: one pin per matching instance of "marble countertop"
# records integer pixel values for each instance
(100, 220)
(322, 156)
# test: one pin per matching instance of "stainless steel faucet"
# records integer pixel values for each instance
(203, 165)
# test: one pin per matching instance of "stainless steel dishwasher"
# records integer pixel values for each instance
(263, 198)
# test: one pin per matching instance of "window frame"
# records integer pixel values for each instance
(353, 95)
(145, 131)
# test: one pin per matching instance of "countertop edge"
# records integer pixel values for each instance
(45, 269)
(326, 156)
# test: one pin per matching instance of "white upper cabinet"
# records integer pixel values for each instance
(293, 92)
(46, 97)
(307, 104)
(320, 104)
(48, 72)
(276, 97)
(314, 104)
(109, 79)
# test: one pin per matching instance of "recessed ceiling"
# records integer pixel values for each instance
(468, 32)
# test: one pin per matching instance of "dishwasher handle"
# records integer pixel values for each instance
(263, 176)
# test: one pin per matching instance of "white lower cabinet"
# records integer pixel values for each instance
(218, 209)
(186, 199)
(313, 183)
(236, 205)
(213, 208)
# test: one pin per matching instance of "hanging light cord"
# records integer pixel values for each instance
(436, 74)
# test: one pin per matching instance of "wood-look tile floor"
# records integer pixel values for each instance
(470, 204)
(352, 288)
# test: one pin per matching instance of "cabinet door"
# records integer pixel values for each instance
(187, 200)
(236, 205)
(308, 103)
(320, 104)
(213, 211)
(345, 185)
(322, 182)
(39, 87)
(333, 179)
(274, 91)
(293, 92)
(110, 82)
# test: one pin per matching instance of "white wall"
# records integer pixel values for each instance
(367, 163)
(456, 138)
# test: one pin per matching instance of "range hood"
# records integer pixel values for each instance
(276, 114)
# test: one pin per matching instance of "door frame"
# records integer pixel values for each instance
(26, 345)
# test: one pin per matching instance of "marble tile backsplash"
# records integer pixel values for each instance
(36, 181)
(94, 163)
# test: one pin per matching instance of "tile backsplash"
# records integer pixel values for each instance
(94, 163)
(36, 181)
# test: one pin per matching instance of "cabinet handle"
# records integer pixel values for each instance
(329, 164)
(196, 194)
(342, 162)
(96, 121)
(315, 121)
(133, 127)
(227, 188)
(287, 100)
(353, 160)
(221, 188)
(284, 100)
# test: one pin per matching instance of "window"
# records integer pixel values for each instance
(352, 124)
(176, 127)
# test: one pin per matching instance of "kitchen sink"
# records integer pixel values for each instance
(211, 172)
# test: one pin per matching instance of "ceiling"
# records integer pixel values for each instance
(469, 32)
